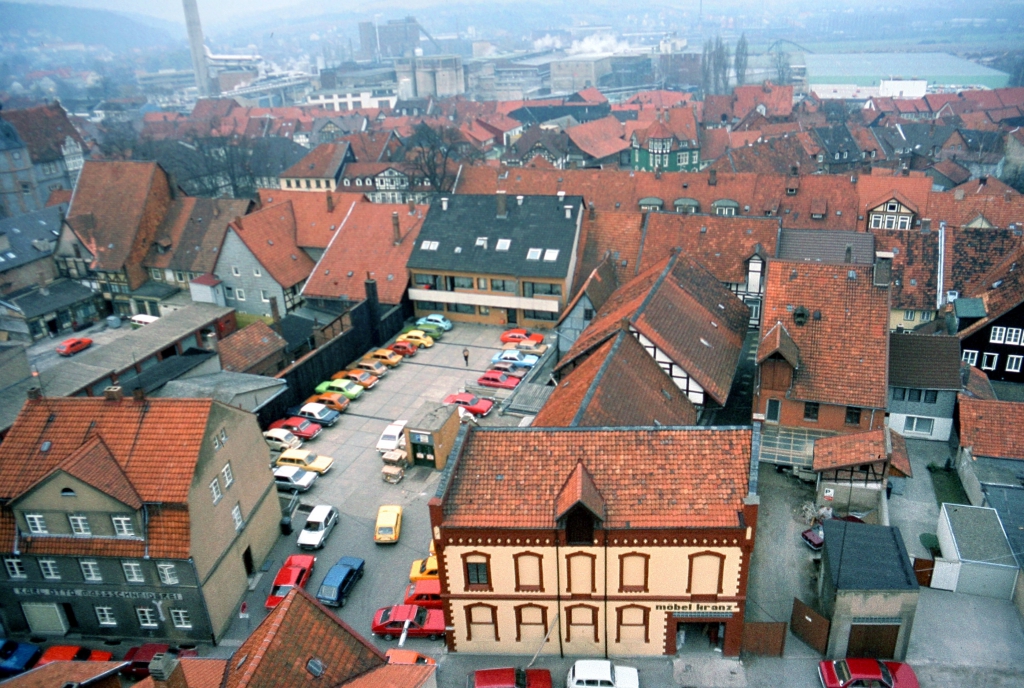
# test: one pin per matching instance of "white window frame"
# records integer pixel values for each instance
(90, 570)
(36, 524)
(876, 221)
(168, 574)
(503, 245)
(133, 571)
(240, 294)
(147, 617)
(236, 516)
(123, 526)
(904, 222)
(911, 423)
(1013, 363)
(1013, 336)
(534, 254)
(997, 335)
(236, 271)
(989, 361)
(105, 616)
(215, 489)
(49, 569)
(908, 316)
(264, 296)
(970, 357)
(79, 524)
(180, 618)
(228, 476)
(15, 568)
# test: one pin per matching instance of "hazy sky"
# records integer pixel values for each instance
(212, 11)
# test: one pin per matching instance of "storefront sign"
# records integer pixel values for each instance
(829, 494)
(691, 607)
(79, 592)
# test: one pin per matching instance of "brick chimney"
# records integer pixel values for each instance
(412, 207)
(139, 394)
(396, 228)
(501, 198)
(712, 177)
(330, 203)
(275, 314)
(34, 394)
(592, 212)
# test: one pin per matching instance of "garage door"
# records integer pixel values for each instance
(873, 640)
(45, 618)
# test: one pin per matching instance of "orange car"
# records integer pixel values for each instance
(361, 377)
(399, 656)
(332, 400)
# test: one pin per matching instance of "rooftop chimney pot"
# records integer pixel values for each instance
(396, 228)
(113, 393)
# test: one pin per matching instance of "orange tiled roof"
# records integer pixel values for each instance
(722, 244)
(876, 188)
(192, 233)
(599, 138)
(899, 458)
(44, 130)
(242, 350)
(616, 235)
(774, 156)
(364, 243)
(59, 197)
(371, 146)
(618, 385)
(316, 217)
(93, 464)
(778, 341)
(778, 100)
(579, 488)
(394, 676)
(65, 673)
(648, 477)
(299, 629)
(976, 383)
(1002, 290)
(598, 286)
(323, 161)
(992, 428)
(270, 234)
(205, 672)
(972, 253)
(915, 260)
(844, 353)
(849, 450)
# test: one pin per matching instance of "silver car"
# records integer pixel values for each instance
(293, 478)
(319, 524)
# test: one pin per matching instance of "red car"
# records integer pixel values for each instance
(509, 369)
(424, 593)
(496, 378)
(138, 658)
(844, 673)
(422, 623)
(73, 653)
(520, 335)
(296, 572)
(470, 402)
(300, 427)
(407, 349)
(511, 678)
(70, 347)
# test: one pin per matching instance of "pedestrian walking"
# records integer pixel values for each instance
(465, 356)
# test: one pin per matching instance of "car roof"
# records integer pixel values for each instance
(299, 560)
(594, 669)
(301, 454)
(319, 512)
(864, 668)
(336, 573)
(279, 433)
(313, 407)
(287, 470)
(428, 586)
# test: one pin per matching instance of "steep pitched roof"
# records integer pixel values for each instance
(992, 428)
(270, 235)
(915, 261)
(192, 233)
(365, 243)
(925, 361)
(67, 673)
(1001, 289)
(976, 383)
(773, 156)
(612, 235)
(243, 349)
(44, 129)
(619, 385)
(648, 477)
(722, 244)
(598, 286)
(317, 214)
(579, 488)
(93, 464)
(826, 246)
(599, 138)
(777, 99)
(849, 450)
(324, 161)
(778, 341)
(844, 352)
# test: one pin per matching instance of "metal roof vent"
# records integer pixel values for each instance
(315, 667)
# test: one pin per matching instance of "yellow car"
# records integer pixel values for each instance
(389, 524)
(417, 337)
(303, 458)
(423, 569)
(385, 356)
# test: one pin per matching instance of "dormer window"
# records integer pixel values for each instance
(579, 526)
(80, 525)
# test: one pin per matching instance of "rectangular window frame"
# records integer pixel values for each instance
(970, 357)
(49, 569)
(812, 409)
(181, 619)
(931, 396)
(123, 526)
(228, 475)
(36, 524)
(90, 571)
(913, 425)
(240, 294)
(997, 335)
(853, 415)
(236, 516)
(133, 572)
(477, 574)
(79, 525)
(147, 617)
(105, 616)
(1013, 363)
(1013, 336)
(989, 361)
(15, 568)
(168, 573)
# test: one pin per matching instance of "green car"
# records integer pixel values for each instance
(347, 387)
(435, 331)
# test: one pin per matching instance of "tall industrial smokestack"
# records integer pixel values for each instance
(195, 43)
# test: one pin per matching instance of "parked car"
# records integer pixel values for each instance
(403, 349)
(398, 655)
(393, 437)
(515, 357)
(527, 347)
(518, 334)
(814, 537)
(496, 378)
(385, 357)
(317, 413)
(424, 593)
(303, 458)
(280, 440)
(293, 478)
(296, 572)
(73, 653)
(421, 623)
(601, 672)
(470, 402)
(350, 389)
(319, 525)
(423, 569)
(70, 347)
(360, 377)
(435, 331)
(845, 673)
(436, 319)
(417, 337)
(332, 400)
(389, 524)
(300, 427)
(139, 657)
(511, 678)
(339, 581)
(510, 369)
(370, 365)
(17, 657)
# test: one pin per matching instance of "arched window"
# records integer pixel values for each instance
(531, 623)
(633, 571)
(482, 618)
(529, 572)
(706, 571)
(581, 619)
(632, 624)
(580, 573)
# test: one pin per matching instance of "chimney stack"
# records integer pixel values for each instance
(561, 196)
(592, 212)
(139, 394)
(412, 207)
(502, 199)
(330, 202)
(162, 666)
(275, 313)
(34, 394)
(113, 393)
(519, 200)
(396, 228)
(712, 177)
(444, 204)
(926, 225)
(849, 253)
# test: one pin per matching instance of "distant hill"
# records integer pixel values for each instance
(77, 25)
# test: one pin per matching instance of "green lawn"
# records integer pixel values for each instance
(248, 319)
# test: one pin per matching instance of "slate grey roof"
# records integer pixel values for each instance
(867, 557)
(539, 223)
(273, 155)
(969, 308)
(925, 361)
(32, 302)
(1008, 500)
(31, 237)
(826, 246)
(9, 139)
(921, 138)
(157, 376)
(223, 386)
(837, 139)
(978, 534)
(155, 290)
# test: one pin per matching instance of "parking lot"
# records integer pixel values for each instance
(354, 485)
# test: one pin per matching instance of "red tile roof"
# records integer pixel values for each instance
(599, 138)
(372, 146)
(648, 477)
(976, 383)
(615, 235)
(849, 450)
(192, 233)
(899, 458)
(591, 95)
(1001, 289)
(598, 286)
(364, 243)
(315, 215)
(93, 464)
(579, 488)
(992, 428)
(952, 171)
(972, 253)
(915, 261)
(844, 353)
(244, 349)
(324, 162)
(774, 156)
(59, 197)
(876, 188)
(778, 341)
(66, 673)
(714, 143)
(44, 130)
(721, 244)
(270, 234)
(618, 385)
(778, 100)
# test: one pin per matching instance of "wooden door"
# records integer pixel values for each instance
(875, 641)
(809, 626)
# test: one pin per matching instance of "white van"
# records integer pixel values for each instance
(142, 320)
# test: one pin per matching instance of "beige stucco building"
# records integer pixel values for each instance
(595, 541)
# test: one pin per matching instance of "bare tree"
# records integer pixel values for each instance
(117, 140)
(740, 60)
(705, 70)
(783, 71)
(434, 154)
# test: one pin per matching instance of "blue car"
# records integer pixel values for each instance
(17, 657)
(315, 413)
(515, 357)
(436, 319)
(339, 581)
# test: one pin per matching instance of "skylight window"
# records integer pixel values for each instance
(551, 255)
(481, 241)
(428, 245)
(503, 244)
(534, 254)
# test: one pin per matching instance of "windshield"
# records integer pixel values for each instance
(280, 590)
(842, 671)
(314, 525)
(385, 615)
(328, 591)
(886, 676)
(385, 530)
(423, 566)
(390, 438)
(421, 617)
(473, 401)
(303, 425)
(288, 437)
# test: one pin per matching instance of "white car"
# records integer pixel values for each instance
(319, 524)
(600, 672)
(393, 437)
(294, 478)
(279, 439)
